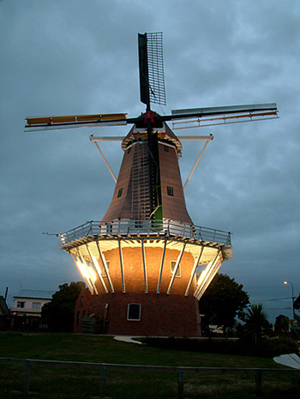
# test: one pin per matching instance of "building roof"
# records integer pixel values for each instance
(40, 294)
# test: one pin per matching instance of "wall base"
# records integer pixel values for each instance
(160, 315)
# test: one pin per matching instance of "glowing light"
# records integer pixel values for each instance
(203, 274)
(82, 269)
(92, 274)
(96, 264)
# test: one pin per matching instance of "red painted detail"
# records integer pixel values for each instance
(149, 115)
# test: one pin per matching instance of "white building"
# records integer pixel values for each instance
(27, 309)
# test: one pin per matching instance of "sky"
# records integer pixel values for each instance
(66, 58)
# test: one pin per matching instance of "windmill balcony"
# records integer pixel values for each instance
(144, 228)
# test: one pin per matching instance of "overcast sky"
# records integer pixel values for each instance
(63, 57)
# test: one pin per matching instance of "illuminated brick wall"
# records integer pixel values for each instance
(160, 314)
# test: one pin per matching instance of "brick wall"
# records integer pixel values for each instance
(161, 314)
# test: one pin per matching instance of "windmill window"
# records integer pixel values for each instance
(129, 149)
(173, 264)
(134, 312)
(120, 192)
(170, 191)
(166, 148)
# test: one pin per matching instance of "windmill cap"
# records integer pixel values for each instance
(164, 133)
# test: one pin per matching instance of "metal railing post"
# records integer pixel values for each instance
(180, 381)
(258, 380)
(102, 381)
(25, 388)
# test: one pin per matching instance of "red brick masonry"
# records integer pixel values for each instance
(160, 314)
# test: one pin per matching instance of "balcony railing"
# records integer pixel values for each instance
(129, 227)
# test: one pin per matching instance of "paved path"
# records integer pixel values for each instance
(125, 338)
(290, 360)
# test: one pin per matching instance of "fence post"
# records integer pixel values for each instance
(25, 388)
(180, 383)
(102, 380)
(258, 379)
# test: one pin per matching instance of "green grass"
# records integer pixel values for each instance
(65, 383)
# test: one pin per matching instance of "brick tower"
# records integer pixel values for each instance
(146, 264)
(143, 261)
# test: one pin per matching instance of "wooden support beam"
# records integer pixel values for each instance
(103, 260)
(176, 268)
(121, 266)
(80, 271)
(193, 272)
(97, 268)
(144, 267)
(161, 266)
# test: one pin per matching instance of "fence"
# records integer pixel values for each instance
(126, 227)
(179, 371)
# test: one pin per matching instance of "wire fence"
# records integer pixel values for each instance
(179, 372)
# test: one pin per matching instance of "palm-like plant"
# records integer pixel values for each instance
(256, 321)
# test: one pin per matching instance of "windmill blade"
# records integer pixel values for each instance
(143, 69)
(151, 67)
(68, 122)
(222, 115)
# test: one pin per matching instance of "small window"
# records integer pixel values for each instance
(21, 304)
(36, 305)
(104, 271)
(166, 148)
(173, 264)
(134, 312)
(129, 149)
(120, 192)
(170, 191)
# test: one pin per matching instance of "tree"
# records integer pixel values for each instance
(59, 313)
(282, 324)
(223, 301)
(256, 320)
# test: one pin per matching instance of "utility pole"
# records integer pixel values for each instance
(293, 297)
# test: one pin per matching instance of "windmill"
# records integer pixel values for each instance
(146, 264)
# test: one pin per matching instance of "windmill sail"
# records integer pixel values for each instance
(152, 82)
(67, 122)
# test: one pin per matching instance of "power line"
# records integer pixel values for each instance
(271, 300)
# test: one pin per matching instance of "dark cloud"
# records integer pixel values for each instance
(59, 58)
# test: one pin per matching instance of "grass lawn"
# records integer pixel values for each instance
(65, 383)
